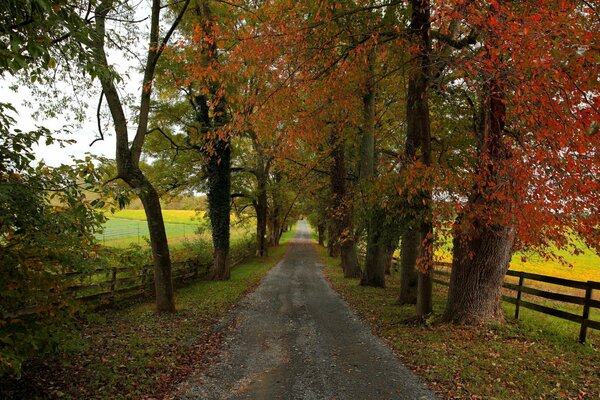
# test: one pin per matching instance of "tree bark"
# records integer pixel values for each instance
(389, 260)
(219, 205)
(409, 253)
(321, 234)
(418, 135)
(374, 270)
(333, 249)
(275, 215)
(163, 288)
(483, 240)
(479, 265)
(211, 114)
(342, 210)
(262, 209)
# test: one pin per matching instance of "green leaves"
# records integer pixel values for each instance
(48, 220)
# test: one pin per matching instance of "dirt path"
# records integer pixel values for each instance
(294, 338)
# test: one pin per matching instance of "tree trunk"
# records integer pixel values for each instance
(409, 253)
(129, 152)
(163, 286)
(374, 272)
(211, 114)
(261, 216)
(425, 274)
(219, 205)
(389, 259)
(321, 234)
(418, 135)
(275, 211)
(479, 265)
(333, 249)
(342, 210)
(483, 249)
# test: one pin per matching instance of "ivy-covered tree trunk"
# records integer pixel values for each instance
(483, 249)
(262, 209)
(342, 210)
(211, 114)
(218, 171)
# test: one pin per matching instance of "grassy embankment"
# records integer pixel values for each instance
(135, 353)
(528, 359)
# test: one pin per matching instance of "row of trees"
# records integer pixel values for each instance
(475, 121)
(392, 123)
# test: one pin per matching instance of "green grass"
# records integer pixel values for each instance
(134, 352)
(127, 227)
(122, 232)
(513, 361)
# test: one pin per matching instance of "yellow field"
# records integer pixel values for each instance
(170, 216)
(585, 267)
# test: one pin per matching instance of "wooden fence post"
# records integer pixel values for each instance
(143, 279)
(586, 313)
(519, 292)
(147, 281)
(113, 284)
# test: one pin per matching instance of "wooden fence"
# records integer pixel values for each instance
(107, 287)
(119, 284)
(585, 299)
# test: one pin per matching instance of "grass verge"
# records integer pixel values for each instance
(512, 361)
(136, 353)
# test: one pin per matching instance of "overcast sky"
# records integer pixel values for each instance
(84, 135)
(54, 155)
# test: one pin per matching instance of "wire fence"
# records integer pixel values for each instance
(122, 231)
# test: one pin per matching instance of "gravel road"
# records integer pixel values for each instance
(295, 338)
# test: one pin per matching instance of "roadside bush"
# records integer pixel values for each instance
(201, 248)
(47, 226)
(243, 246)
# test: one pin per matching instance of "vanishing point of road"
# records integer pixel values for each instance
(294, 338)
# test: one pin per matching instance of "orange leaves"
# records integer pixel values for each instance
(493, 22)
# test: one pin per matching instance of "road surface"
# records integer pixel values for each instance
(295, 338)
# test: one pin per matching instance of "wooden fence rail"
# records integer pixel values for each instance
(126, 283)
(106, 287)
(586, 300)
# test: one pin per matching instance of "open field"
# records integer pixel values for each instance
(170, 216)
(585, 267)
(128, 227)
(580, 267)
(122, 232)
